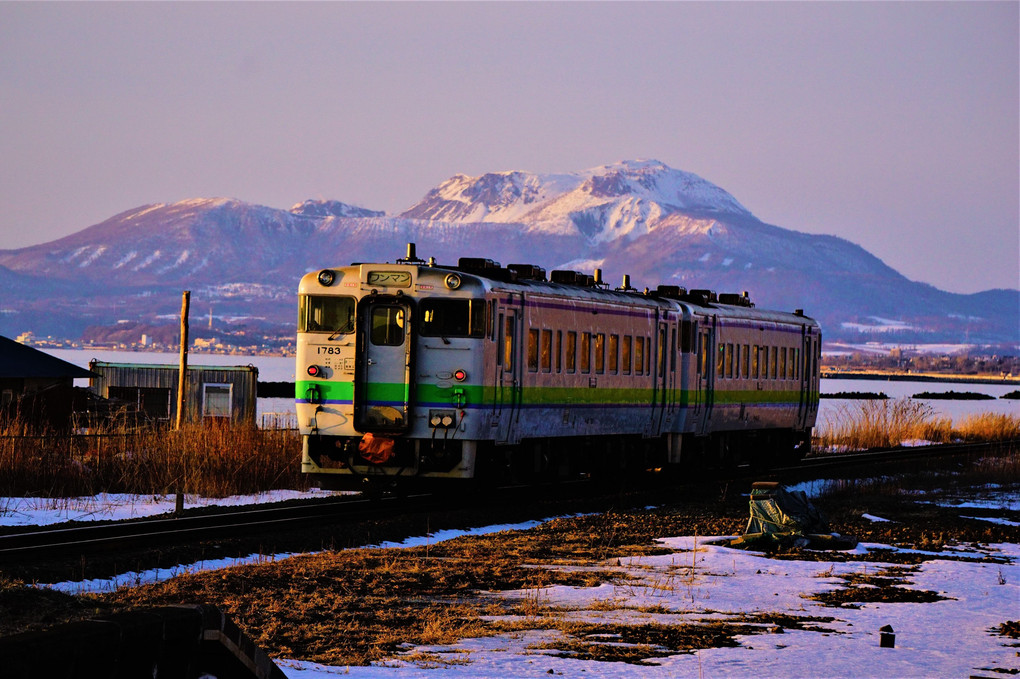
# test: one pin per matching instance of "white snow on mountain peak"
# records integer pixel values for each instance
(604, 203)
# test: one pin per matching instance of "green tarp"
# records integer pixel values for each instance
(784, 519)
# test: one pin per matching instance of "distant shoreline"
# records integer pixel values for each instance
(830, 373)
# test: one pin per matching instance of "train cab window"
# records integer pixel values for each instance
(571, 351)
(600, 353)
(452, 317)
(585, 352)
(387, 326)
(625, 358)
(326, 313)
(672, 350)
(545, 351)
(754, 361)
(614, 354)
(533, 350)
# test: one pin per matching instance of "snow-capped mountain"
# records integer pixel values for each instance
(602, 204)
(642, 218)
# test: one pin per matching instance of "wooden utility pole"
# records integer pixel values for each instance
(182, 384)
(182, 377)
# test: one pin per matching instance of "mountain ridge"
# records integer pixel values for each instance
(641, 218)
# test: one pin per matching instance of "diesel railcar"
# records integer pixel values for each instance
(413, 371)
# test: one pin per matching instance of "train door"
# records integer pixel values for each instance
(804, 376)
(382, 377)
(703, 376)
(507, 392)
(661, 386)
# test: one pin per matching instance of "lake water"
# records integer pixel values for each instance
(281, 369)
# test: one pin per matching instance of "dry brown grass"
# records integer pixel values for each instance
(862, 425)
(212, 461)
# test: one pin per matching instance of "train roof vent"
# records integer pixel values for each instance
(528, 272)
(670, 291)
(735, 299)
(486, 268)
(701, 296)
(565, 277)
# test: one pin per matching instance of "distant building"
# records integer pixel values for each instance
(36, 386)
(214, 393)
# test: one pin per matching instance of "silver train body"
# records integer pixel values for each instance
(411, 370)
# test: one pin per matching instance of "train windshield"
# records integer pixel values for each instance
(321, 313)
(452, 317)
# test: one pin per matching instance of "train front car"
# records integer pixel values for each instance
(388, 367)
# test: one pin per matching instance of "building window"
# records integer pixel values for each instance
(216, 400)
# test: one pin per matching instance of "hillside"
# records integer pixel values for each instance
(660, 225)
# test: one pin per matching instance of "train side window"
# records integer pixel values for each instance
(639, 355)
(747, 361)
(490, 320)
(533, 350)
(774, 362)
(782, 363)
(508, 345)
(720, 362)
(672, 350)
(585, 352)
(754, 362)
(559, 351)
(545, 351)
(499, 333)
(600, 353)
(614, 351)
(736, 361)
(571, 351)
(625, 358)
(796, 364)
(648, 355)
(764, 363)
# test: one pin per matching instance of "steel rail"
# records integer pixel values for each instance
(18, 546)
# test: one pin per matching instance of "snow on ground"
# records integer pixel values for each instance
(702, 580)
(44, 511)
(944, 638)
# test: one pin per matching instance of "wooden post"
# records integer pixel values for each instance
(182, 377)
(182, 381)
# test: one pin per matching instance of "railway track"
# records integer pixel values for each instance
(124, 535)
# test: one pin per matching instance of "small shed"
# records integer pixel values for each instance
(37, 386)
(217, 393)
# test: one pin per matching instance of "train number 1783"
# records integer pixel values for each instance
(328, 350)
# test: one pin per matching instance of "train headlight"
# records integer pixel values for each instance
(314, 371)
(460, 375)
(452, 281)
(326, 278)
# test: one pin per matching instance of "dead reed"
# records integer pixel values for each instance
(212, 461)
(861, 425)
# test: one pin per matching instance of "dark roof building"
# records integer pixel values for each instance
(35, 385)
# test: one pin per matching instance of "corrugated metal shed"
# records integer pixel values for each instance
(213, 392)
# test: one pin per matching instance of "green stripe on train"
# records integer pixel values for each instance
(537, 396)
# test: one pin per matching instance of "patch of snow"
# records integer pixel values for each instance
(93, 256)
(148, 260)
(705, 257)
(125, 259)
(875, 519)
(727, 261)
